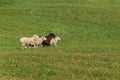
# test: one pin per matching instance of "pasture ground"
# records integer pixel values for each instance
(90, 39)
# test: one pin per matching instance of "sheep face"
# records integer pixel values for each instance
(44, 38)
(57, 38)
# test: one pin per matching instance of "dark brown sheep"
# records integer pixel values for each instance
(48, 37)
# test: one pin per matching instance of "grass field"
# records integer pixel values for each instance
(90, 39)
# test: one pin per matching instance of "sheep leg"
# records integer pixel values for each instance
(55, 45)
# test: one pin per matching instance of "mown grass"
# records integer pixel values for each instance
(89, 47)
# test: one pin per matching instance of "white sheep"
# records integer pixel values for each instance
(55, 40)
(39, 41)
(35, 40)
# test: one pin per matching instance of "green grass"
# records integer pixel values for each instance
(89, 47)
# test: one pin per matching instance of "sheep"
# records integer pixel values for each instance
(48, 37)
(55, 40)
(39, 41)
(35, 40)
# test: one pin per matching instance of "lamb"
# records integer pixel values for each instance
(55, 40)
(35, 40)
